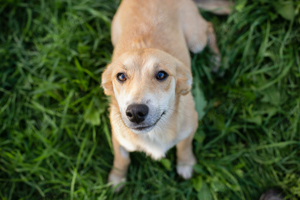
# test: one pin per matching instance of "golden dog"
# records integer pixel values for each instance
(149, 81)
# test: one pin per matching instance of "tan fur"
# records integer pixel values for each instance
(221, 7)
(153, 35)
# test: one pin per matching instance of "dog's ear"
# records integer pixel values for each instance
(184, 79)
(106, 82)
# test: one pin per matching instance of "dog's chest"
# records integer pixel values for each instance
(152, 144)
(152, 148)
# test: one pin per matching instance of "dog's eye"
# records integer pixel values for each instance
(121, 77)
(161, 75)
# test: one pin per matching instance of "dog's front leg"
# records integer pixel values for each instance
(117, 175)
(185, 157)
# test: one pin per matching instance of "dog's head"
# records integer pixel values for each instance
(146, 84)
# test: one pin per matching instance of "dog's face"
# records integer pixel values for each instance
(146, 84)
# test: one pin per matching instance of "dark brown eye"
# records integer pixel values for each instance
(121, 77)
(161, 75)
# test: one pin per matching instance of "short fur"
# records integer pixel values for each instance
(148, 36)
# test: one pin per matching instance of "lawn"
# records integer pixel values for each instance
(55, 140)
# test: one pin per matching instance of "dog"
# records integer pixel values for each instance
(149, 80)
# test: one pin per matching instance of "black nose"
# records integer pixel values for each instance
(137, 112)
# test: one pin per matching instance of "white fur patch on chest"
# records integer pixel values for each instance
(155, 147)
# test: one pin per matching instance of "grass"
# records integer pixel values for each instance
(55, 138)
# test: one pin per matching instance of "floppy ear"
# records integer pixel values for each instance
(184, 79)
(106, 82)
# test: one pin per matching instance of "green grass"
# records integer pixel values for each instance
(55, 138)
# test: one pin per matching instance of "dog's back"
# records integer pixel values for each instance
(150, 24)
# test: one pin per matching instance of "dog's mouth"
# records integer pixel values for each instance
(143, 128)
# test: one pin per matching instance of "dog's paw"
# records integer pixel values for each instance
(215, 62)
(185, 171)
(197, 47)
(116, 181)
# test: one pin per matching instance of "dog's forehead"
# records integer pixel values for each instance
(138, 60)
(148, 62)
